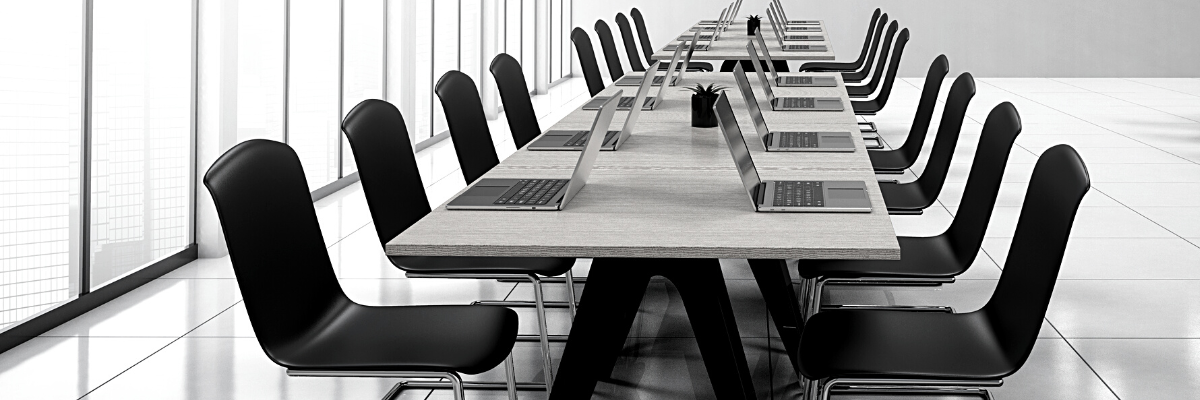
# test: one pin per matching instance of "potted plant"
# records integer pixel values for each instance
(703, 99)
(752, 24)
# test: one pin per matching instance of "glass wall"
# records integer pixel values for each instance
(313, 120)
(40, 107)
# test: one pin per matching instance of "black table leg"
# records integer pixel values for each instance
(775, 282)
(609, 304)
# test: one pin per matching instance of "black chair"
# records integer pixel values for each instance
(610, 50)
(518, 108)
(867, 107)
(396, 197)
(897, 160)
(300, 315)
(874, 31)
(912, 197)
(938, 259)
(468, 125)
(881, 351)
(887, 79)
(860, 74)
(648, 49)
(630, 43)
(587, 61)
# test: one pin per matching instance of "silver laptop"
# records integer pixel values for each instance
(649, 103)
(538, 194)
(791, 141)
(787, 103)
(733, 8)
(779, 7)
(575, 139)
(794, 38)
(788, 81)
(636, 79)
(787, 196)
(792, 47)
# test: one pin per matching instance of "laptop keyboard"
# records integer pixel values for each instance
(798, 194)
(627, 102)
(581, 138)
(798, 80)
(799, 102)
(803, 140)
(797, 47)
(699, 47)
(532, 191)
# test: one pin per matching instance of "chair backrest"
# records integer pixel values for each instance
(885, 92)
(861, 72)
(874, 29)
(1018, 305)
(518, 107)
(587, 60)
(387, 167)
(610, 50)
(275, 244)
(934, 176)
(468, 125)
(878, 75)
(929, 95)
(635, 63)
(643, 36)
(970, 223)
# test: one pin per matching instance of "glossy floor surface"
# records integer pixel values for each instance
(1124, 321)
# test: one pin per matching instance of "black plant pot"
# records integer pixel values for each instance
(751, 26)
(703, 115)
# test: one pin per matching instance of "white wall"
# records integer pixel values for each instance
(1005, 38)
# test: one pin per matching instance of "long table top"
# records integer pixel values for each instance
(672, 191)
(732, 44)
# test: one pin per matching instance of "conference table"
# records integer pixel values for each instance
(732, 44)
(670, 203)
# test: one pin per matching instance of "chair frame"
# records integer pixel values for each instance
(444, 380)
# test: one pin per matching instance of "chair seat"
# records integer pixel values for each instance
(858, 90)
(921, 257)
(826, 67)
(889, 160)
(466, 339)
(544, 266)
(865, 107)
(693, 66)
(904, 196)
(875, 344)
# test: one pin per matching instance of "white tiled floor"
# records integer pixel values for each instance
(1124, 322)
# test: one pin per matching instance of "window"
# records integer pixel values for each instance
(362, 67)
(313, 121)
(40, 106)
(141, 134)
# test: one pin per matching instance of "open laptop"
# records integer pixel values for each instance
(694, 43)
(792, 47)
(709, 31)
(636, 80)
(793, 38)
(538, 194)
(787, 196)
(648, 103)
(733, 9)
(575, 139)
(779, 7)
(791, 141)
(787, 81)
(788, 103)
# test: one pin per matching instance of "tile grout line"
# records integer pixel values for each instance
(1147, 218)
(159, 350)
(1085, 361)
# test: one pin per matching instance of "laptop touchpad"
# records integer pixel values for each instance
(847, 197)
(837, 141)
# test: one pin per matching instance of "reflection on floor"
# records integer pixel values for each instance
(1124, 322)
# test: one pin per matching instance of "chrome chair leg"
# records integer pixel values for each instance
(814, 297)
(571, 293)
(908, 386)
(543, 331)
(510, 375)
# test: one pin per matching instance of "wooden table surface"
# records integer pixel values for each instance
(732, 45)
(672, 191)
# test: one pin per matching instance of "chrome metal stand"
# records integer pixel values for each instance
(907, 386)
(814, 287)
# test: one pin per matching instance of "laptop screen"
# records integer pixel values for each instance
(640, 98)
(737, 147)
(756, 115)
(762, 44)
(587, 157)
(762, 76)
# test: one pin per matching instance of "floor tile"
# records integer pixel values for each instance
(1153, 194)
(1107, 222)
(160, 308)
(1107, 258)
(1012, 194)
(1103, 173)
(1158, 369)
(203, 268)
(69, 367)
(1126, 308)
(671, 368)
(231, 368)
(1053, 371)
(1183, 221)
(1144, 155)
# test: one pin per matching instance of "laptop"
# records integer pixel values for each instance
(787, 103)
(793, 47)
(787, 196)
(791, 141)
(733, 8)
(788, 81)
(575, 139)
(538, 194)
(779, 7)
(649, 103)
(693, 44)
(636, 80)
